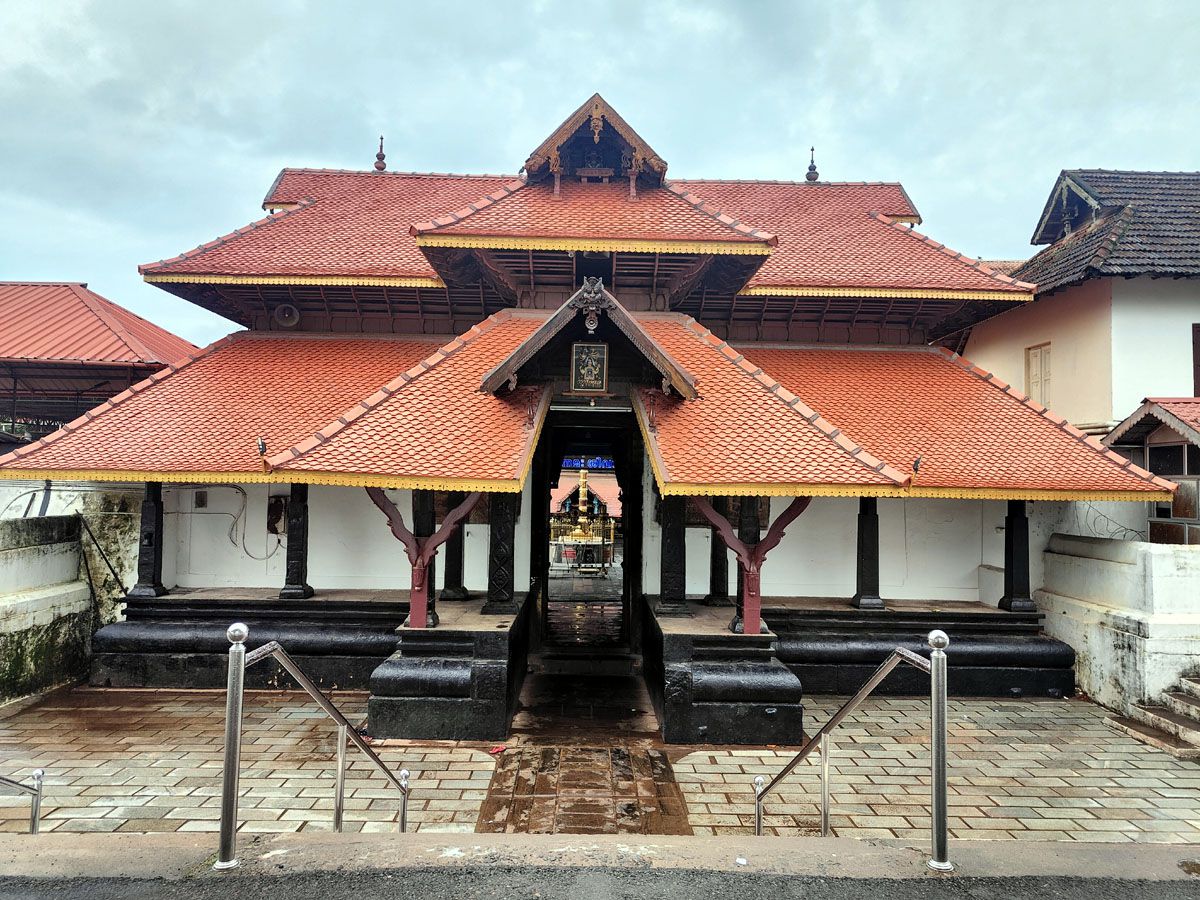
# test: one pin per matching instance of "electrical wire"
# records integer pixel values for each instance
(238, 541)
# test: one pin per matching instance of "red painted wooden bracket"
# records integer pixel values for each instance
(420, 551)
(750, 557)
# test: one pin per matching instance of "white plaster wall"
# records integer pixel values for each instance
(1129, 609)
(1152, 322)
(1080, 327)
(349, 544)
(929, 550)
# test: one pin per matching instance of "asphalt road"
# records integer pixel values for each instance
(587, 884)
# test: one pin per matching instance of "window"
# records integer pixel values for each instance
(1037, 373)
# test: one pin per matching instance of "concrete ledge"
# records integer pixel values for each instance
(179, 856)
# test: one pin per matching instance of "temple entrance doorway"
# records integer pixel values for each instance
(585, 673)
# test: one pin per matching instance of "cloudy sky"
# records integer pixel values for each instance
(130, 131)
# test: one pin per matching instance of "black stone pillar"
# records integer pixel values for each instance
(452, 580)
(1016, 560)
(295, 584)
(502, 539)
(150, 545)
(866, 594)
(718, 561)
(424, 525)
(672, 591)
(748, 533)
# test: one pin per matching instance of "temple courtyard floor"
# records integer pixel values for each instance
(150, 761)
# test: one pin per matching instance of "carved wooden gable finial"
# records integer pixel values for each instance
(597, 123)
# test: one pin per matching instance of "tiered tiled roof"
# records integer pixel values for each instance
(1136, 223)
(595, 214)
(431, 425)
(67, 323)
(846, 236)
(200, 420)
(969, 430)
(344, 225)
(354, 228)
(798, 421)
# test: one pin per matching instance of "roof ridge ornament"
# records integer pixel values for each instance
(380, 164)
(812, 174)
(591, 298)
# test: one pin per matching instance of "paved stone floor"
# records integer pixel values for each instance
(150, 761)
(585, 757)
(1027, 770)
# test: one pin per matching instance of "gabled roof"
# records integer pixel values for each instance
(974, 434)
(593, 216)
(430, 426)
(67, 323)
(1123, 224)
(346, 228)
(849, 239)
(1180, 413)
(591, 298)
(200, 420)
(401, 412)
(744, 435)
(595, 107)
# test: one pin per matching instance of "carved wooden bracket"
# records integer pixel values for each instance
(750, 558)
(420, 550)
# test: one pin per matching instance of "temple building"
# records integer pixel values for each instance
(807, 478)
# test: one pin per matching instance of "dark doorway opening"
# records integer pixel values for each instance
(585, 676)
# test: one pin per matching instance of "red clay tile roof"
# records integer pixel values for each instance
(1179, 413)
(68, 323)
(840, 235)
(201, 419)
(743, 430)
(970, 430)
(348, 225)
(355, 225)
(602, 484)
(593, 212)
(432, 423)
(823, 420)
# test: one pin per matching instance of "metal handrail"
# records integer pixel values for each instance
(935, 666)
(239, 659)
(35, 797)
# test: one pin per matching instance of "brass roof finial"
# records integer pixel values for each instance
(380, 165)
(812, 165)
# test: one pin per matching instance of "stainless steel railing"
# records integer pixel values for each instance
(35, 797)
(239, 659)
(936, 667)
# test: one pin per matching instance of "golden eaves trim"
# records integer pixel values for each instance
(357, 411)
(831, 432)
(1062, 424)
(116, 400)
(494, 485)
(621, 245)
(416, 281)
(752, 489)
(893, 222)
(882, 292)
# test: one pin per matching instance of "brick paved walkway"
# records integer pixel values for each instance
(1038, 770)
(1032, 770)
(151, 761)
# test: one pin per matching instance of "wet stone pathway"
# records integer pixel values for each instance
(573, 790)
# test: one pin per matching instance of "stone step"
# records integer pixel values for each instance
(1184, 704)
(1190, 686)
(1154, 737)
(1164, 719)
